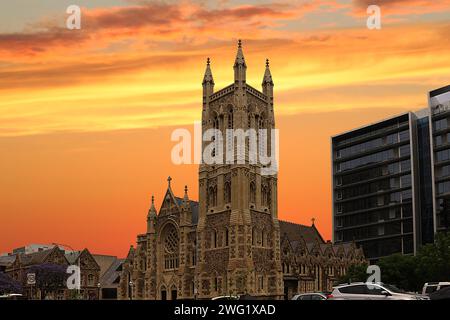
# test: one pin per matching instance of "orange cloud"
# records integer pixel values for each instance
(150, 24)
(402, 7)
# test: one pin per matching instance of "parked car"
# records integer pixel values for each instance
(430, 287)
(310, 296)
(226, 298)
(442, 294)
(372, 291)
(12, 296)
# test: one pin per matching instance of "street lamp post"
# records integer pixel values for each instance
(99, 291)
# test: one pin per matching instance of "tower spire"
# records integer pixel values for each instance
(186, 197)
(240, 67)
(267, 83)
(208, 83)
(151, 217)
(208, 77)
(267, 75)
(152, 211)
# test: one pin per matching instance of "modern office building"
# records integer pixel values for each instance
(391, 180)
(439, 101)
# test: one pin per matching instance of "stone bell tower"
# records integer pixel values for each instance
(238, 232)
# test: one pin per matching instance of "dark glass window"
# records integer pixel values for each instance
(395, 197)
(407, 210)
(372, 158)
(408, 244)
(445, 171)
(360, 289)
(406, 194)
(440, 125)
(392, 138)
(404, 135)
(404, 150)
(407, 226)
(405, 165)
(438, 141)
(443, 155)
(405, 180)
(443, 187)
(394, 168)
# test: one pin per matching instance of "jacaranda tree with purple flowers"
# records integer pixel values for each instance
(9, 285)
(50, 277)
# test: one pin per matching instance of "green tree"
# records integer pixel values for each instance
(355, 273)
(433, 260)
(399, 270)
(49, 277)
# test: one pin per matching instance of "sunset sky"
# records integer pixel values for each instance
(86, 115)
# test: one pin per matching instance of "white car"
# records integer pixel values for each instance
(310, 296)
(430, 287)
(372, 291)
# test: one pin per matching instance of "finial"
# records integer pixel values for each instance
(153, 199)
(186, 198)
(168, 180)
(312, 220)
(267, 63)
(239, 43)
(208, 61)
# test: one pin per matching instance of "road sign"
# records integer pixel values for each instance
(31, 278)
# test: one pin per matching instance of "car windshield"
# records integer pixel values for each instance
(393, 288)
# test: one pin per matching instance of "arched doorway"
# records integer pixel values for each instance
(163, 293)
(173, 294)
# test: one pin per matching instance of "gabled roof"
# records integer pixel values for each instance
(72, 257)
(295, 232)
(130, 255)
(104, 262)
(194, 208)
(111, 275)
(7, 260)
(38, 257)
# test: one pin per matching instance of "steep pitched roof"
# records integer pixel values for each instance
(35, 257)
(295, 232)
(110, 277)
(104, 261)
(194, 208)
(72, 256)
(6, 261)
(39, 257)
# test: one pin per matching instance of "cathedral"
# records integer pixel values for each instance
(231, 241)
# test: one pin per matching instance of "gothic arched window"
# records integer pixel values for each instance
(90, 280)
(263, 195)
(215, 138)
(214, 239)
(227, 237)
(227, 192)
(230, 119)
(212, 196)
(171, 248)
(252, 192)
